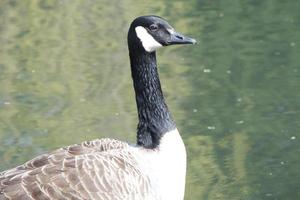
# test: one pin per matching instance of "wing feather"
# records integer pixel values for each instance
(98, 169)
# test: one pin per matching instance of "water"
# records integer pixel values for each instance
(65, 78)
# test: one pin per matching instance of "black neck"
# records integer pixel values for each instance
(154, 117)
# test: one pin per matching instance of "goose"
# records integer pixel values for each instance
(107, 169)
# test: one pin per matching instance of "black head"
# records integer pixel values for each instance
(152, 32)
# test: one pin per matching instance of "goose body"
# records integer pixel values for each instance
(153, 169)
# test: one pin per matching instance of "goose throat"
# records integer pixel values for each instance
(154, 117)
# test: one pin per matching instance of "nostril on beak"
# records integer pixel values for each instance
(179, 37)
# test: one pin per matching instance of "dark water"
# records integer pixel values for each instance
(64, 78)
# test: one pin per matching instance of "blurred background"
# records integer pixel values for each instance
(65, 78)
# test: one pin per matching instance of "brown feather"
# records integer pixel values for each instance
(97, 169)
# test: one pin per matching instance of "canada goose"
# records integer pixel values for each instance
(153, 169)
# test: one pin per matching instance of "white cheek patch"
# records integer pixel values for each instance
(149, 43)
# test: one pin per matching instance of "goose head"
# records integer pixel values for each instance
(148, 33)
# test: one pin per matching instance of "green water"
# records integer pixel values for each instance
(65, 78)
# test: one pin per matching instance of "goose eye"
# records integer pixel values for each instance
(153, 27)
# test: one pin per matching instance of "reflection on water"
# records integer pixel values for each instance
(65, 78)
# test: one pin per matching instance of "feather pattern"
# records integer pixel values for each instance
(98, 169)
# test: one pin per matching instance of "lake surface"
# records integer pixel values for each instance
(65, 78)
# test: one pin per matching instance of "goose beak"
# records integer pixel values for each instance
(178, 38)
